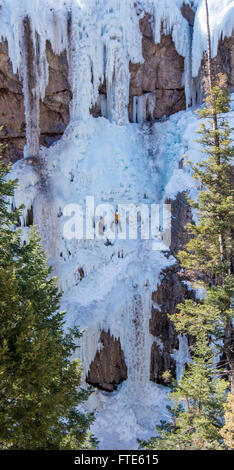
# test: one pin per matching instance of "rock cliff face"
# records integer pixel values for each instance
(169, 294)
(11, 108)
(158, 82)
(224, 62)
(54, 110)
(159, 78)
(108, 368)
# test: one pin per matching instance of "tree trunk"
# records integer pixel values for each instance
(229, 351)
(209, 68)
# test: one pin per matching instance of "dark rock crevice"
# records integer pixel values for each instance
(108, 368)
(188, 13)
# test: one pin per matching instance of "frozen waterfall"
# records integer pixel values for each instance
(114, 162)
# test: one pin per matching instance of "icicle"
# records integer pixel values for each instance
(139, 108)
(103, 105)
(134, 109)
(104, 39)
(139, 341)
(89, 345)
(181, 356)
(122, 43)
(152, 104)
(86, 59)
(117, 78)
(143, 106)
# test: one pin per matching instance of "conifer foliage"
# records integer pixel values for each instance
(39, 383)
(200, 398)
(196, 416)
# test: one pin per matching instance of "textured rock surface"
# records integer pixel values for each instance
(108, 368)
(170, 292)
(188, 13)
(224, 61)
(181, 215)
(54, 111)
(11, 107)
(160, 73)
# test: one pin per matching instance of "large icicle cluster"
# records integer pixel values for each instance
(105, 38)
(101, 37)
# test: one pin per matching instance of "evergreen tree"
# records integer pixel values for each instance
(40, 386)
(197, 411)
(227, 431)
(207, 262)
(207, 258)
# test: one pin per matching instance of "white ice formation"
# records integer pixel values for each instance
(115, 162)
